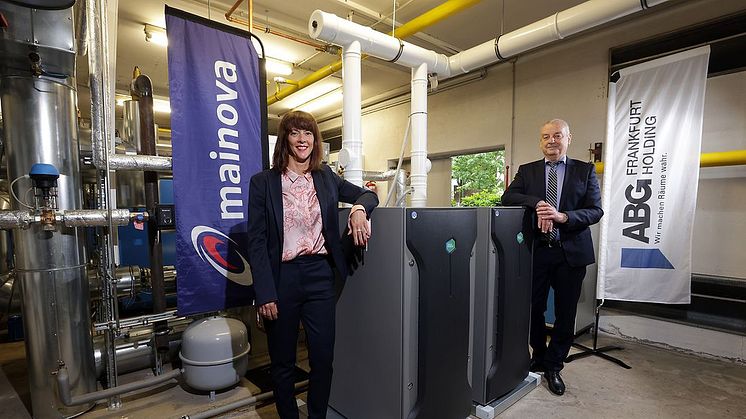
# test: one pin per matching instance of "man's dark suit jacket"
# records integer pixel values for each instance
(266, 228)
(580, 200)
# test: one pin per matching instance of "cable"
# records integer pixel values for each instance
(403, 196)
(12, 192)
(401, 157)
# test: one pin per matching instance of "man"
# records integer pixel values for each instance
(565, 195)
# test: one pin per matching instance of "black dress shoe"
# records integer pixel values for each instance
(535, 366)
(554, 382)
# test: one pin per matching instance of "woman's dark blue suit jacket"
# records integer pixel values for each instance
(266, 229)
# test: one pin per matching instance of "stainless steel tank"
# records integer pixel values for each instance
(4, 234)
(40, 127)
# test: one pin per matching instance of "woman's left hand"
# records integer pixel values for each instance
(359, 228)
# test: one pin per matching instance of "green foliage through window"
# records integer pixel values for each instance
(478, 179)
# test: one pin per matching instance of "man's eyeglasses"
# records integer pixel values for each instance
(557, 137)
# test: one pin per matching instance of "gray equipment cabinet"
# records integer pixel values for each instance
(501, 301)
(403, 318)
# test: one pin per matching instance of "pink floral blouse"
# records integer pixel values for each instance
(302, 223)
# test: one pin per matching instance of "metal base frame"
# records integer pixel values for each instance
(595, 350)
(493, 409)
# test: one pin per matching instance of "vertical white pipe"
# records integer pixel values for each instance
(352, 140)
(418, 178)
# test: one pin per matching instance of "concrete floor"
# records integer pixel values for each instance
(661, 384)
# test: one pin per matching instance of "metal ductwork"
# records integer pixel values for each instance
(334, 29)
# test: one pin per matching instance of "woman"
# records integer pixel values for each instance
(294, 246)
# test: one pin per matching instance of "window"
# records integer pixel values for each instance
(477, 179)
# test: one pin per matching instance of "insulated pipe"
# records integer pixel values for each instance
(400, 183)
(102, 128)
(98, 80)
(429, 18)
(133, 356)
(331, 28)
(63, 385)
(334, 29)
(70, 218)
(352, 142)
(153, 163)
(82, 28)
(379, 176)
(99, 218)
(418, 178)
(102, 98)
(142, 89)
(576, 19)
(239, 404)
(11, 219)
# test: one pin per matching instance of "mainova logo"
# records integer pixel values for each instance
(209, 243)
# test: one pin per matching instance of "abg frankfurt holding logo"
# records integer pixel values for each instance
(206, 241)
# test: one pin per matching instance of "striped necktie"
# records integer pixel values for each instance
(552, 194)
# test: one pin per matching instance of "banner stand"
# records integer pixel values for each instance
(595, 350)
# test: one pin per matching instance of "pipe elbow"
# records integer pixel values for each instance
(63, 385)
(142, 86)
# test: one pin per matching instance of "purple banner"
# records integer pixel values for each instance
(216, 132)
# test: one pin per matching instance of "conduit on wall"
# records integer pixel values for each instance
(593, 13)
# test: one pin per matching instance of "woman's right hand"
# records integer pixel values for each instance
(269, 311)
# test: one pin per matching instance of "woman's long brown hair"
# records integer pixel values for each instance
(301, 121)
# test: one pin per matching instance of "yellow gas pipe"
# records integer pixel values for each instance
(715, 159)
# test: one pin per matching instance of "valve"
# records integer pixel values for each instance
(44, 178)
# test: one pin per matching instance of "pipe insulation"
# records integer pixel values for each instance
(379, 176)
(63, 385)
(420, 164)
(425, 20)
(153, 163)
(248, 401)
(10, 219)
(400, 186)
(352, 141)
(70, 218)
(593, 13)
(102, 98)
(96, 218)
(102, 123)
(336, 30)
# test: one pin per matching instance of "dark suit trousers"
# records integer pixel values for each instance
(305, 293)
(551, 269)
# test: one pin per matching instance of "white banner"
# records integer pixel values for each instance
(651, 171)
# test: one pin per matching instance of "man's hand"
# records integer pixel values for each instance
(547, 216)
(269, 311)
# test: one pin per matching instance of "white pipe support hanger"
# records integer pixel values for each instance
(420, 163)
(352, 142)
